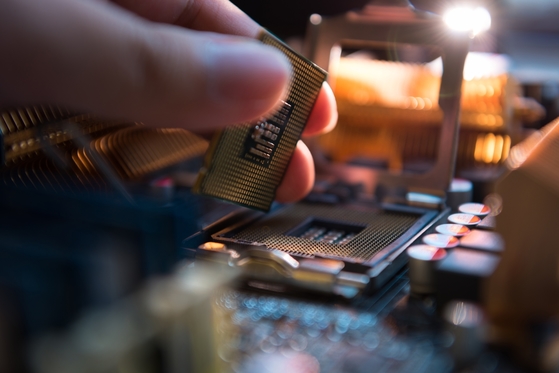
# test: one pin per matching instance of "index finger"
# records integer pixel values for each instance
(219, 16)
(224, 17)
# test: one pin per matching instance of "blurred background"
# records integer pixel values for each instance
(525, 31)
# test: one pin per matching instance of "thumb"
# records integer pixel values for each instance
(96, 57)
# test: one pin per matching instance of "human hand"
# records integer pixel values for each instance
(171, 63)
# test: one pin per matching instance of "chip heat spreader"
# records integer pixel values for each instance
(245, 163)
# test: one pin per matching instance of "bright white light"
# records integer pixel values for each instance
(467, 19)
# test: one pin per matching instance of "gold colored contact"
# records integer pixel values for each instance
(213, 246)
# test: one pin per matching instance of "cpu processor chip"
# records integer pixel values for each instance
(245, 163)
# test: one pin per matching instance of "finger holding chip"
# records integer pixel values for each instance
(191, 64)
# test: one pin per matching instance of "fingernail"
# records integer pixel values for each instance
(247, 71)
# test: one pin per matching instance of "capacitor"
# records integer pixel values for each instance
(422, 260)
(466, 322)
(457, 230)
(443, 241)
(464, 219)
(460, 192)
(478, 209)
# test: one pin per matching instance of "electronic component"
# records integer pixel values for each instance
(467, 324)
(422, 260)
(345, 249)
(478, 209)
(138, 151)
(83, 152)
(461, 273)
(442, 241)
(27, 133)
(453, 229)
(464, 219)
(246, 162)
